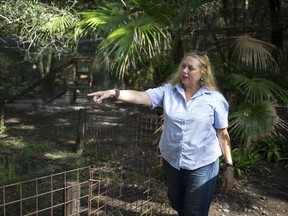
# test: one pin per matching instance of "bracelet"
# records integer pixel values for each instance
(117, 94)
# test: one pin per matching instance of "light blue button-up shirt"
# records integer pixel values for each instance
(189, 138)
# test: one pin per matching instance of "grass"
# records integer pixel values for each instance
(21, 160)
(37, 143)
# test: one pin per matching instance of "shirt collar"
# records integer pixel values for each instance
(200, 91)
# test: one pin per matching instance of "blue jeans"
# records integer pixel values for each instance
(191, 192)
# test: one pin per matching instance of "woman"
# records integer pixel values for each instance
(194, 134)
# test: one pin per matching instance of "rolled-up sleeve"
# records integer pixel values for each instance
(156, 96)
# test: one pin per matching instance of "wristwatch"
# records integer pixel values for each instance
(229, 165)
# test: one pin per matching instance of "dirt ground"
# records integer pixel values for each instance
(257, 195)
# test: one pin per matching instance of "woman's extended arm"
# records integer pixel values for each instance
(129, 96)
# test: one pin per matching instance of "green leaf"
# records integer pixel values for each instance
(255, 122)
(256, 89)
(103, 20)
(142, 36)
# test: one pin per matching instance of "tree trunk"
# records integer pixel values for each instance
(276, 23)
(45, 66)
(245, 12)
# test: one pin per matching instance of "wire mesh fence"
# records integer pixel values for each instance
(48, 195)
(124, 176)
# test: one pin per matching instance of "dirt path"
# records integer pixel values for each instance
(258, 195)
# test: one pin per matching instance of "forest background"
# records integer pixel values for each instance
(138, 44)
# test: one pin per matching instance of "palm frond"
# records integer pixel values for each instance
(141, 36)
(255, 122)
(254, 53)
(102, 20)
(274, 91)
(159, 9)
(56, 27)
(256, 89)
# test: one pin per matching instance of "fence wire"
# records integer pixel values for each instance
(124, 176)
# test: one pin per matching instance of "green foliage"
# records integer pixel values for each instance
(254, 122)
(109, 177)
(253, 53)
(274, 150)
(254, 115)
(48, 32)
(34, 158)
(256, 159)
(128, 34)
(135, 33)
(248, 160)
(100, 21)
(8, 169)
(159, 9)
(256, 89)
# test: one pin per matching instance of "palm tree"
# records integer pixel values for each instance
(127, 33)
(255, 99)
(148, 32)
(148, 35)
(144, 34)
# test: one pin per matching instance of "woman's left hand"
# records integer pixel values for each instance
(228, 178)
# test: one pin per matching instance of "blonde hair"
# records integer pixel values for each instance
(205, 67)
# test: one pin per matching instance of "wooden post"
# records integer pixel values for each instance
(72, 199)
(2, 111)
(73, 96)
(81, 131)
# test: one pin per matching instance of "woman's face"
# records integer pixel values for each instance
(190, 72)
